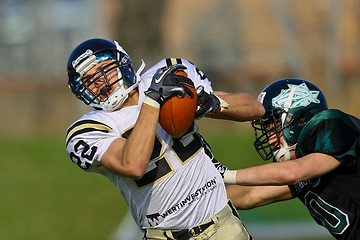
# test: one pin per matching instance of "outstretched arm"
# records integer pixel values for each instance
(288, 172)
(241, 107)
(238, 106)
(248, 197)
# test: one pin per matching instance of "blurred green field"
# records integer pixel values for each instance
(45, 196)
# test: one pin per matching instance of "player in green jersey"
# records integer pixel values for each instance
(323, 149)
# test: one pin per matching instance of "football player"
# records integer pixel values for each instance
(316, 153)
(170, 184)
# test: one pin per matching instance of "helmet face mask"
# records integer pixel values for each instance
(101, 78)
(101, 74)
(268, 129)
(289, 104)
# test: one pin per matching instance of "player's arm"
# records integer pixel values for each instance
(231, 106)
(248, 197)
(240, 107)
(288, 172)
(130, 157)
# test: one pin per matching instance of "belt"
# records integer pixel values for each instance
(185, 234)
(192, 232)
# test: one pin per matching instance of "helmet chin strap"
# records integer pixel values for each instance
(118, 97)
(284, 152)
(138, 72)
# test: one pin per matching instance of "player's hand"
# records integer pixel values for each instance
(165, 83)
(207, 103)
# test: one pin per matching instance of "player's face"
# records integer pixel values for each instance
(274, 132)
(99, 79)
(277, 141)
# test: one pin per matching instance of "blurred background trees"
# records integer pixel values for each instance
(240, 45)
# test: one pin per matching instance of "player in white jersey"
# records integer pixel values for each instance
(170, 184)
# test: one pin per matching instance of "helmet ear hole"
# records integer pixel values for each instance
(301, 122)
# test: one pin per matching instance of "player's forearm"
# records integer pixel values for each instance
(286, 173)
(248, 197)
(268, 174)
(241, 107)
(139, 146)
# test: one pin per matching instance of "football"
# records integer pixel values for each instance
(177, 114)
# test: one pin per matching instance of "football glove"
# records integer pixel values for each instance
(165, 83)
(207, 103)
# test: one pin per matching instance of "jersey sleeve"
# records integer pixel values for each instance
(197, 76)
(330, 132)
(87, 141)
(220, 167)
(194, 73)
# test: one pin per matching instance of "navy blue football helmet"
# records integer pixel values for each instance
(289, 104)
(88, 54)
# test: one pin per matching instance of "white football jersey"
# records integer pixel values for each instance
(181, 186)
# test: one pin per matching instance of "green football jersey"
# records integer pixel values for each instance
(334, 198)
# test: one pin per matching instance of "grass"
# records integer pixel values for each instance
(45, 196)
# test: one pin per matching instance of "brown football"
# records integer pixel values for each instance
(177, 114)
